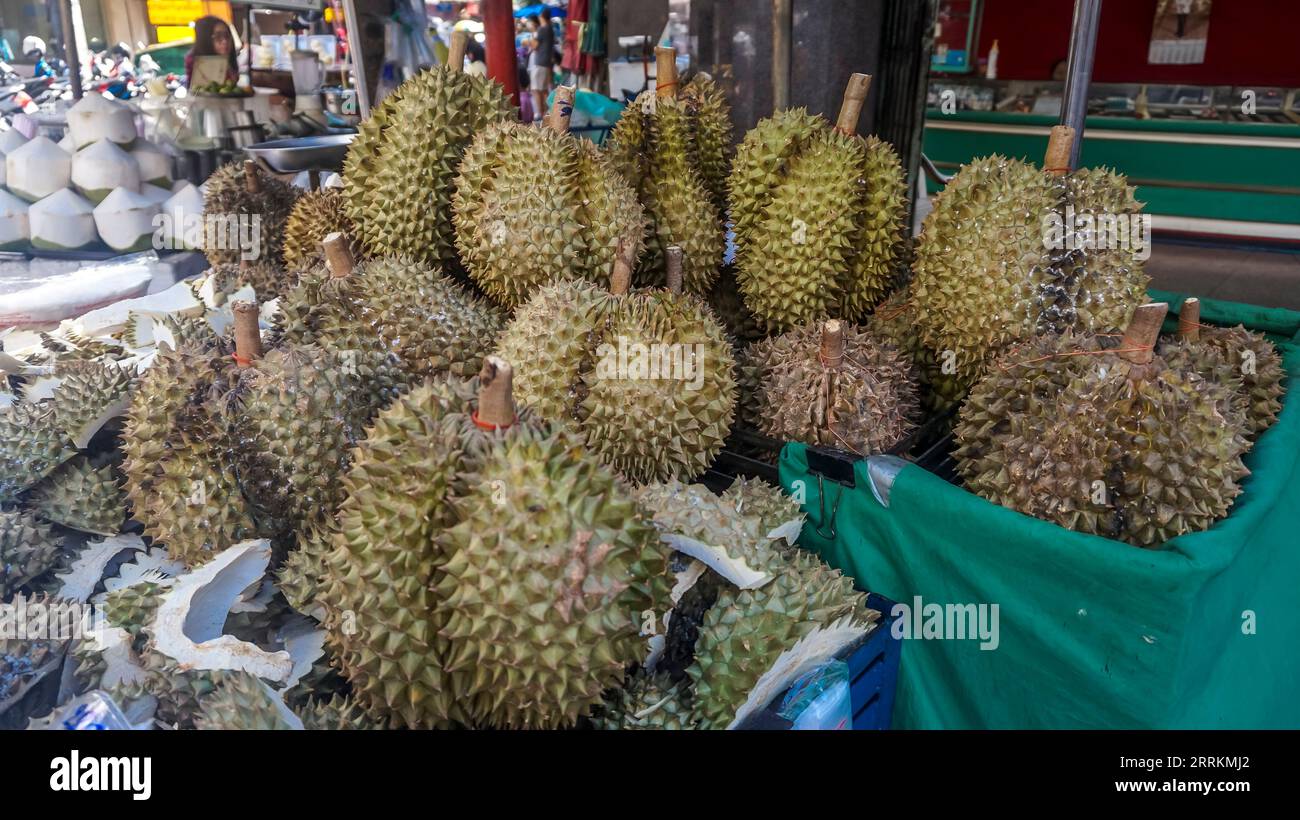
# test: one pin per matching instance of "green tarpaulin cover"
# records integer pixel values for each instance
(1093, 633)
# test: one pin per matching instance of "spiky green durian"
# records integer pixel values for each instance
(315, 215)
(659, 146)
(649, 419)
(299, 578)
(760, 500)
(694, 512)
(647, 702)
(398, 187)
(180, 692)
(1245, 361)
(712, 116)
(362, 162)
(1063, 430)
(433, 325)
(729, 306)
(243, 191)
(82, 496)
(979, 289)
(860, 397)
(547, 591)
(32, 445)
(179, 476)
(533, 206)
(745, 631)
(87, 394)
(133, 608)
(894, 320)
(818, 219)
(339, 713)
(28, 549)
(241, 701)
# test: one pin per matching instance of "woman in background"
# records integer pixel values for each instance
(212, 37)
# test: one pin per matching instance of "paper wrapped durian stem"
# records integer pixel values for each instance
(665, 71)
(855, 96)
(562, 110)
(832, 346)
(456, 51)
(674, 260)
(338, 256)
(1189, 319)
(496, 400)
(620, 281)
(248, 336)
(1057, 159)
(1139, 341)
(252, 182)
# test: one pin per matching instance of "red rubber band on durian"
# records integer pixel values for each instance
(484, 425)
(242, 361)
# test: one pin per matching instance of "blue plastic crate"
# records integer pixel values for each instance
(873, 676)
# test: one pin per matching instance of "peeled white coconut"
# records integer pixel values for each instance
(37, 169)
(125, 220)
(15, 229)
(62, 221)
(96, 118)
(183, 218)
(154, 193)
(66, 143)
(103, 167)
(11, 140)
(155, 166)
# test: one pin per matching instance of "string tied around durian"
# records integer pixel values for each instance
(1138, 344)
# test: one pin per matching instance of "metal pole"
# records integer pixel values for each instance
(782, 32)
(70, 49)
(354, 54)
(1078, 71)
(499, 31)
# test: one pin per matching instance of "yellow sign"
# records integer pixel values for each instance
(170, 34)
(184, 12)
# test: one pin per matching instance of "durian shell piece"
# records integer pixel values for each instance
(242, 702)
(28, 549)
(339, 713)
(647, 702)
(32, 445)
(83, 497)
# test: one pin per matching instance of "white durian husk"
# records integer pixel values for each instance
(37, 169)
(15, 225)
(96, 118)
(126, 220)
(87, 569)
(63, 221)
(103, 167)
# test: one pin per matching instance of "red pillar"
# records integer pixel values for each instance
(499, 31)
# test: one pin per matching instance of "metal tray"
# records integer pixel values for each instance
(288, 156)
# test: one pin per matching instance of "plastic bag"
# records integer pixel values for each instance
(820, 699)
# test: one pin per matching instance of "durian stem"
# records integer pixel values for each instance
(665, 71)
(496, 401)
(252, 182)
(456, 51)
(562, 110)
(673, 259)
(1057, 159)
(248, 336)
(620, 281)
(855, 96)
(1139, 341)
(832, 349)
(1189, 319)
(338, 256)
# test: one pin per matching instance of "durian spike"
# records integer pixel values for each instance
(456, 51)
(496, 400)
(338, 256)
(620, 281)
(673, 259)
(665, 71)
(1189, 319)
(855, 96)
(248, 336)
(252, 182)
(1057, 159)
(832, 349)
(562, 109)
(1139, 342)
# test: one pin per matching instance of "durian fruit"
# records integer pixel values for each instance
(133, 608)
(1244, 360)
(88, 395)
(28, 549)
(315, 215)
(894, 320)
(537, 205)
(267, 279)
(242, 190)
(1113, 441)
(819, 215)
(647, 376)
(179, 476)
(662, 145)
(712, 115)
(33, 444)
(400, 171)
(834, 385)
(241, 701)
(339, 713)
(82, 496)
(647, 701)
(771, 507)
(496, 574)
(433, 325)
(729, 306)
(746, 631)
(986, 274)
